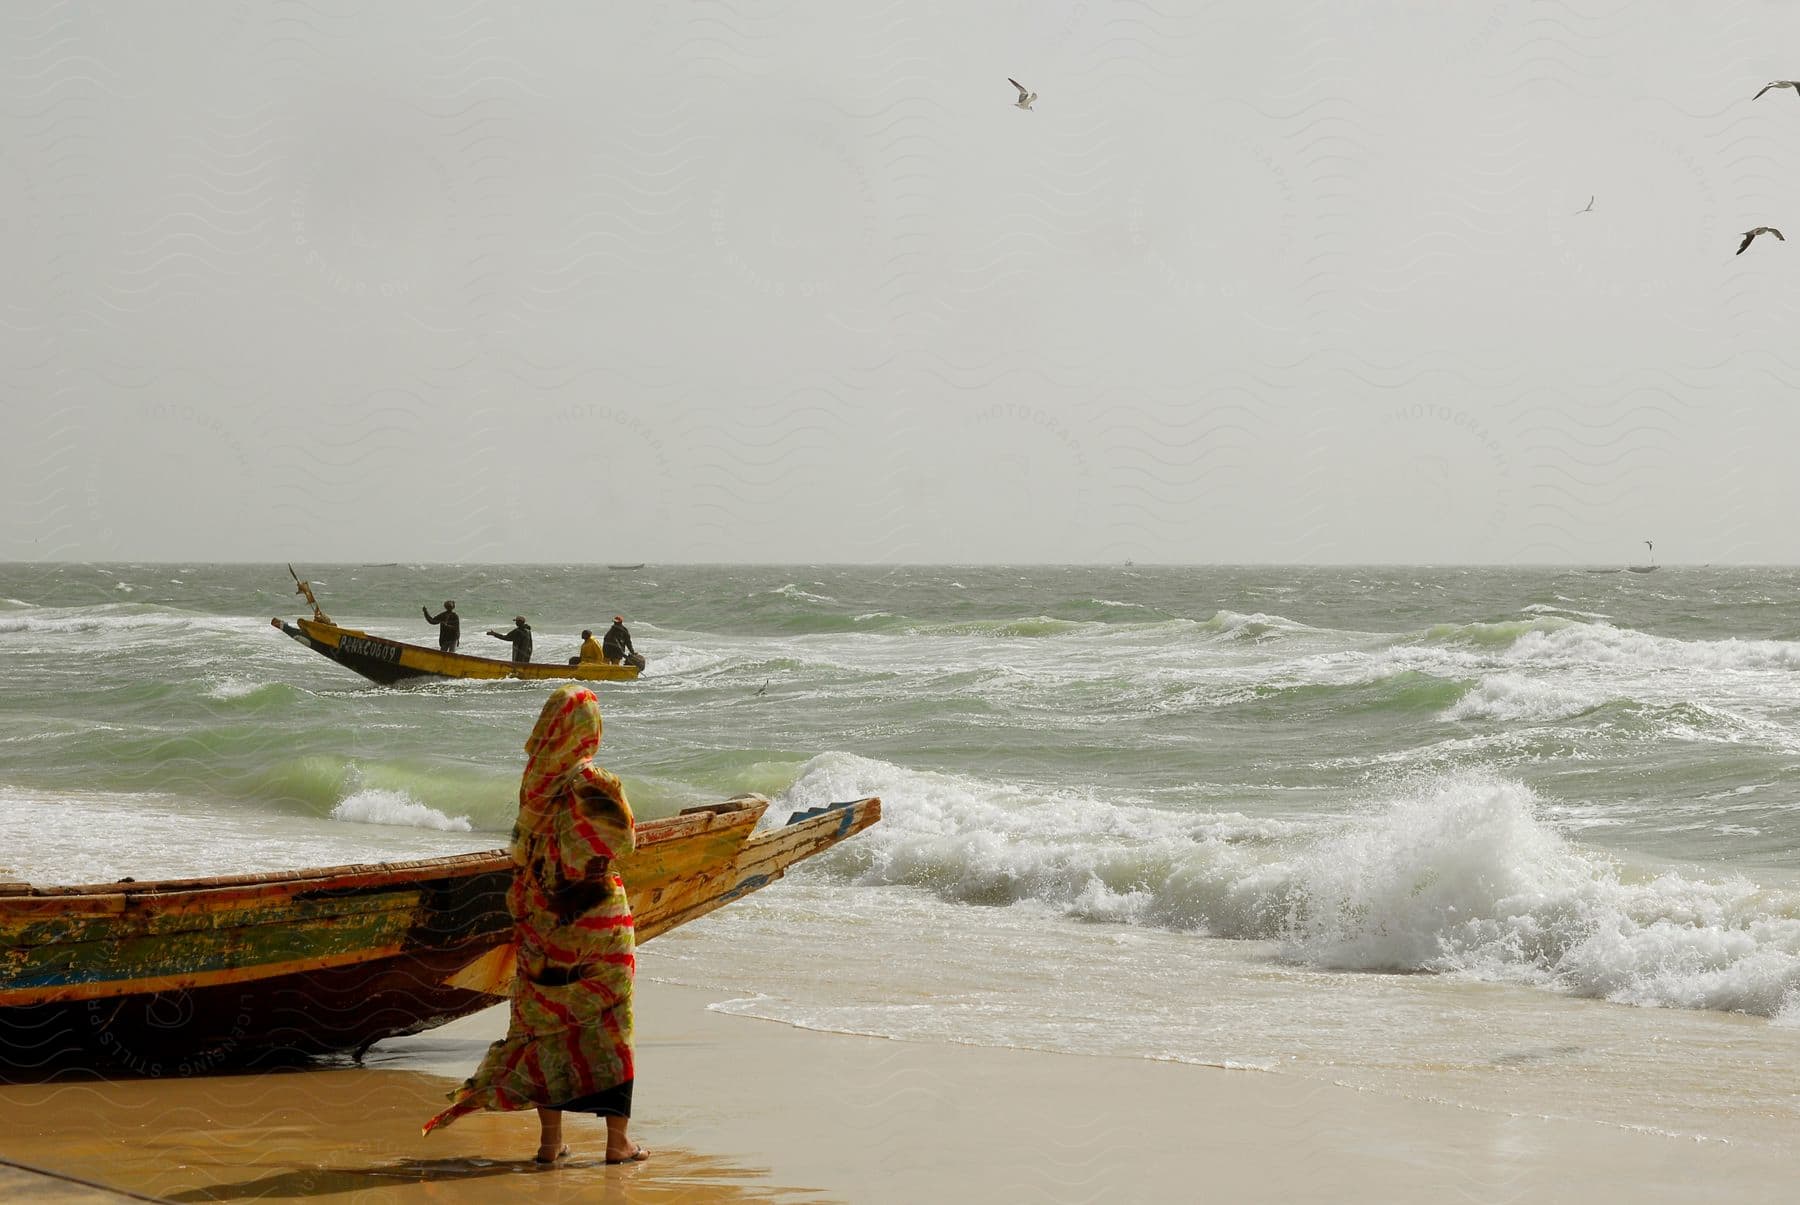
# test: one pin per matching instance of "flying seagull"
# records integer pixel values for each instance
(1589, 209)
(1750, 235)
(1026, 96)
(1780, 83)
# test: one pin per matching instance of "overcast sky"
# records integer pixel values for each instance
(339, 281)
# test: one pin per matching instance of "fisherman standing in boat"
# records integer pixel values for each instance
(520, 637)
(618, 641)
(590, 648)
(449, 626)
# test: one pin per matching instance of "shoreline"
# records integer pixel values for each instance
(738, 1109)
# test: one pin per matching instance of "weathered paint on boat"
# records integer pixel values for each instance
(181, 976)
(389, 661)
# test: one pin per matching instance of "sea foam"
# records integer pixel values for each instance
(1517, 697)
(376, 805)
(1465, 876)
(1456, 873)
(1599, 644)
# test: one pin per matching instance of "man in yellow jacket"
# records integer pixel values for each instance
(590, 648)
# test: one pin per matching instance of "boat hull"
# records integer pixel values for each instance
(392, 661)
(276, 1019)
(181, 977)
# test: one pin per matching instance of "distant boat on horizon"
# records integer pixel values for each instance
(639, 565)
(1652, 567)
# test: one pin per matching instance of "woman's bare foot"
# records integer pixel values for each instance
(550, 1143)
(619, 1146)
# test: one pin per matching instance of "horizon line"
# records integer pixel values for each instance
(932, 564)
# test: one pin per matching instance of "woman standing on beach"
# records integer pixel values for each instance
(568, 1046)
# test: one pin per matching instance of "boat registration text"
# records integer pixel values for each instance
(362, 646)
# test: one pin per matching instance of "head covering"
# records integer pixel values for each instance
(561, 746)
(518, 619)
(618, 619)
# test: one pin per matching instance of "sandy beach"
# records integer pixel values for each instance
(738, 1109)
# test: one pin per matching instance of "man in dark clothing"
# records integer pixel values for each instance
(520, 637)
(617, 642)
(449, 626)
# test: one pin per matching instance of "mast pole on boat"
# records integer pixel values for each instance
(305, 588)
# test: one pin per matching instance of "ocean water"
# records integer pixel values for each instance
(1513, 839)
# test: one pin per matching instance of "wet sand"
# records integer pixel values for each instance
(744, 1110)
(22, 1184)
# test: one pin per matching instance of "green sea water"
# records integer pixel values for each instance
(1657, 712)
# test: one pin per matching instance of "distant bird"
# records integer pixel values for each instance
(1026, 96)
(1589, 209)
(764, 687)
(1750, 235)
(1780, 83)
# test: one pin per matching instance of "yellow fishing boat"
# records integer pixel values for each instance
(386, 661)
(180, 976)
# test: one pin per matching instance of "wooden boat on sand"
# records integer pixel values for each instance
(389, 661)
(183, 976)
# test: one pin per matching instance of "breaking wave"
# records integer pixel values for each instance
(1517, 697)
(1458, 874)
(378, 806)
